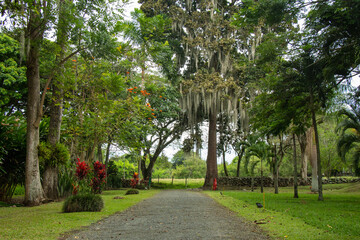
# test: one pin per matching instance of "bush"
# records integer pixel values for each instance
(114, 181)
(19, 190)
(83, 203)
(65, 186)
(12, 155)
(132, 191)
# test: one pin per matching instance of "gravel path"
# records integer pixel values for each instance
(173, 214)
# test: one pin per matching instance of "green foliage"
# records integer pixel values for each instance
(83, 203)
(178, 158)
(331, 162)
(53, 155)
(349, 139)
(162, 168)
(19, 190)
(336, 34)
(12, 76)
(12, 154)
(114, 181)
(123, 166)
(132, 191)
(65, 181)
(193, 167)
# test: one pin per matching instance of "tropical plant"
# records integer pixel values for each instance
(349, 139)
(12, 155)
(262, 151)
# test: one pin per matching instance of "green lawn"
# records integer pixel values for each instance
(166, 183)
(337, 217)
(48, 222)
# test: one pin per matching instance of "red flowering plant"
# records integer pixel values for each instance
(134, 180)
(81, 173)
(89, 179)
(82, 169)
(99, 178)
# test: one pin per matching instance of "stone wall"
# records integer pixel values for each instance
(234, 182)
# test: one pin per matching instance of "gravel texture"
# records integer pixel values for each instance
(173, 214)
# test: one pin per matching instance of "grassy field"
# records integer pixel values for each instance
(337, 217)
(48, 222)
(166, 183)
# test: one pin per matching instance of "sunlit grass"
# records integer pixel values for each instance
(48, 222)
(337, 217)
(168, 183)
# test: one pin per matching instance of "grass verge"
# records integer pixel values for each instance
(337, 217)
(48, 222)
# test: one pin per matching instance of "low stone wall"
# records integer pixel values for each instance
(339, 180)
(268, 182)
(246, 182)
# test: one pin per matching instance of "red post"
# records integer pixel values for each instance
(215, 184)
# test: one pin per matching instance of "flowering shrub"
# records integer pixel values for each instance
(89, 179)
(134, 180)
(75, 189)
(82, 169)
(99, 177)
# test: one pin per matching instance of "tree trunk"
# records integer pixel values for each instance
(239, 161)
(147, 171)
(91, 152)
(310, 154)
(319, 174)
(261, 176)
(50, 183)
(302, 143)
(107, 159)
(224, 163)
(99, 153)
(211, 161)
(34, 193)
(296, 195)
(50, 180)
(276, 172)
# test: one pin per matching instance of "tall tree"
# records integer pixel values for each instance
(202, 38)
(50, 178)
(38, 18)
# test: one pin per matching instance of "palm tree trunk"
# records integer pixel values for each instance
(317, 142)
(261, 176)
(276, 172)
(296, 195)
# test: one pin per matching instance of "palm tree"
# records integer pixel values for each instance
(349, 139)
(262, 151)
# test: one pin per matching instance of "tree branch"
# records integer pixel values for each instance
(43, 95)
